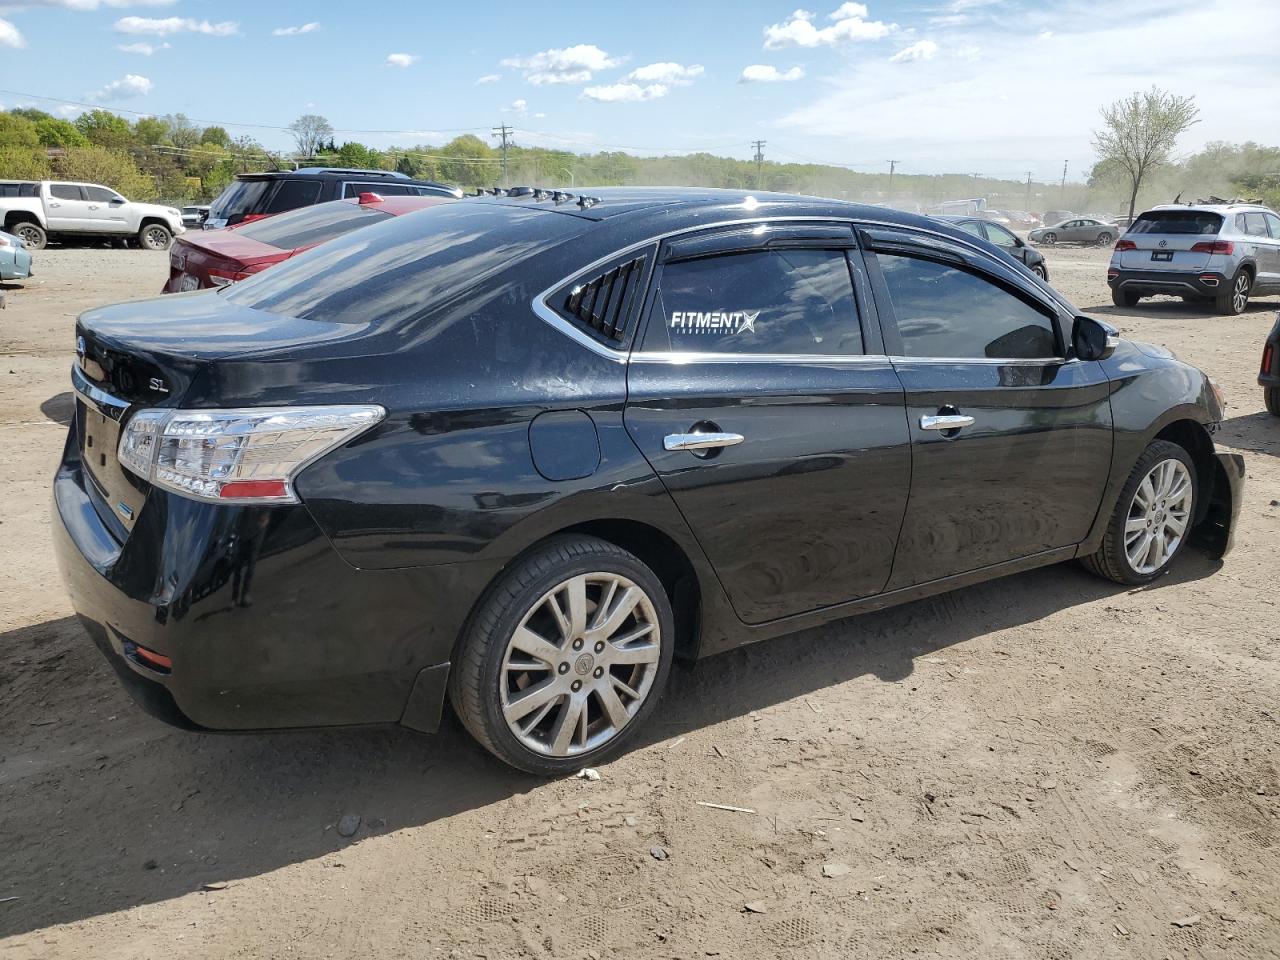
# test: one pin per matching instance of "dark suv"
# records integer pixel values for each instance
(517, 453)
(264, 194)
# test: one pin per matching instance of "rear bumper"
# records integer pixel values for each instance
(1206, 283)
(265, 624)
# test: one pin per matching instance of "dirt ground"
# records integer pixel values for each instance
(1047, 766)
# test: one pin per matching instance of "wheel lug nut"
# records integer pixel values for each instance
(599, 646)
(577, 644)
(563, 668)
(599, 672)
(577, 685)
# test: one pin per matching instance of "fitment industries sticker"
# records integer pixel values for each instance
(722, 322)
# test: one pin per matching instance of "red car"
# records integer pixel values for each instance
(201, 259)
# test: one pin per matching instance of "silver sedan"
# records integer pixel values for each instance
(15, 258)
(1079, 230)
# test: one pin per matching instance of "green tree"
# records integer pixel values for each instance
(56, 132)
(1139, 133)
(105, 129)
(111, 168)
(215, 137)
(310, 131)
(17, 131)
(150, 130)
(22, 163)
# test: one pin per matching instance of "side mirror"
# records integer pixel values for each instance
(1092, 339)
(116, 201)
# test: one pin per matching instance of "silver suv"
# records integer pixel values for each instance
(1219, 252)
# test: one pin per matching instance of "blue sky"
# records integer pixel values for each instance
(999, 87)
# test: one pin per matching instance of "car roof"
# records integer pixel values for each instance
(1222, 208)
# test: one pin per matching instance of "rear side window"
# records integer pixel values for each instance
(19, 190)
(311, 225)
(291, 194)
(1178, 222)
(64, 191)
(242, 198)
(797, 302)
(944, 311)
(606, 303)
(970, 226)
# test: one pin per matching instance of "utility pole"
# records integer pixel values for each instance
(508, 140)
(1062, 194)
(759, 148)
(1028, 189)
(892, 166)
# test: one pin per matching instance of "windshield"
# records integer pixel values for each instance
(405, 266)
(311, 225)
(1178, 221)
(241, 199)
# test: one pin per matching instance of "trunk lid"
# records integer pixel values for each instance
(199, 258)
(1163, 241)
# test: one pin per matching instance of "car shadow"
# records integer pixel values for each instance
(1256, 432)
(1176, 308)
(60, 408)
(103, 809)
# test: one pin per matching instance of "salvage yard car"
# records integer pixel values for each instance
(1222, 253)
(1078, 230)
(36, 210)
(214, 258)
(517, 454)
(1006, 239)
(15, 258)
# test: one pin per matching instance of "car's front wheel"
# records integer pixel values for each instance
(1233, 298)
(1041, 271)
(565, 657)
(1152, 517)
(154, 237)
(31, 234)
(1049, 238)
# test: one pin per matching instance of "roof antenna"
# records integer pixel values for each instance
(1178, 198)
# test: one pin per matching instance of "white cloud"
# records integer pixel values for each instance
(518, 107)
(130, 85)
(767, 73)
(295, 31)
(490, 78)
(401, 59)
(164, 26)
(539, 116)
(10, 37)
(626, 92)
(146, 49)
(95, 4)
(921, 50)
(1045, 35)
(673, 74)
(849, 22)
(576, 64)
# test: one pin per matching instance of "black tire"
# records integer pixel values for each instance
(1106, 239)
(1232, 299)
(1271, 397)
(32, 234)
(1124, 298)
(1041, 271)
(154, 236)
(475, 681)
(1049, 239)
(1111, 561)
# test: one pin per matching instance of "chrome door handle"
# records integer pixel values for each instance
(700, 441)
(953, 422)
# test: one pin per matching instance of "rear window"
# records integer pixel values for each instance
(1178, 221)
(19, 189)
(311, 225)
(406, 266)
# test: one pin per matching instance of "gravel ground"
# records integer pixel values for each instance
(1047, 766)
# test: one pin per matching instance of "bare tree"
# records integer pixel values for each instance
(1140, 132)
(310, 132)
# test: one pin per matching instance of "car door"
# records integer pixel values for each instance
(1011, 439)
(760, 393)
(1006, 240)
(1264, 232)
(106, 209)
(67, 209)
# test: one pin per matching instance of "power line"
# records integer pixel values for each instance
(759, 148)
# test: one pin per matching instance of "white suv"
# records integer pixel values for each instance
(1220, 252)
(36, 210)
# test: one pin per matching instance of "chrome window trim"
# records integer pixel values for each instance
(692, 356)
(550, 316)
(989, 361)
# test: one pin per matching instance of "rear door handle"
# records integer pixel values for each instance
(945, 422)
(700, 441)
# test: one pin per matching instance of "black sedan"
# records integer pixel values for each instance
(1006, 240)
(518, 453)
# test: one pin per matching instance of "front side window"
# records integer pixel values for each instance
(945, 311)
(100, 194)
(797, 302)
(64, 191)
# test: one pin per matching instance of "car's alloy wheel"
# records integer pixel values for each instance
(1240, 293)
(155, 238)
(580, 664)
(1049, 238)
(565, 656)
(1159, 515)
(1105, 239)
(31, 235)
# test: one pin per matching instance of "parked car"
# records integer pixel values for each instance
(1079, 230)
(253, 195)
(1056, 216)
(36, 210)
(193, 217)
(1219, 252)
(15, 258)
(1269, 375)
(1006, 239)
(519, 453)
(214, 258)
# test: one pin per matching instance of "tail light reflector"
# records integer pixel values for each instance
(149, 658)
(1214, 246)
(1268, 354)
(1125, 245)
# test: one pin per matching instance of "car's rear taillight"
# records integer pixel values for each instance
(221, 278)
(1268, 355)
(1214, 246)
(249, 455)
(1125, 245)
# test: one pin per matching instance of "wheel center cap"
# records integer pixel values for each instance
(582, 666)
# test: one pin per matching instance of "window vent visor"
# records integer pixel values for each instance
(247, 455)
(605, 304)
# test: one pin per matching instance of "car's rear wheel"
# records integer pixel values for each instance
(1233, 298)
(31, 234)
(154, 237)
(1124, 298)
(565, 656)
(1271, 397)
(1106, 239)
(1049, 238)
(1041, 271)
(1152, 517)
